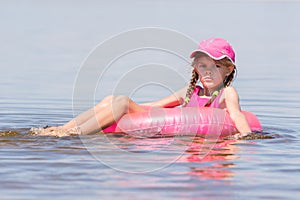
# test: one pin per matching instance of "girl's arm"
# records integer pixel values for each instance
(170, 101)
(233, 107)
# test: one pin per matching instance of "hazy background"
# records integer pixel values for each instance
(43, 43)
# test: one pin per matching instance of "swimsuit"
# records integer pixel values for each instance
(197, 101)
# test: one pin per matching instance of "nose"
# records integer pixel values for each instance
(208, 72)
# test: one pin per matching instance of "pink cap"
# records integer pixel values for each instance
(216, 48)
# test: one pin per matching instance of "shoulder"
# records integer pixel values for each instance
(230, 91)
(231, 94)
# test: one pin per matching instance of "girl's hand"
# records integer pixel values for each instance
(240, 136)
(252, 136)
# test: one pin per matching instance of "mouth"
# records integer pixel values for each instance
(207, 79)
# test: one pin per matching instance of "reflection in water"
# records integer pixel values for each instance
(219, 155)
(189, 167)
(203, 158)
(207, 159)
(215, 171)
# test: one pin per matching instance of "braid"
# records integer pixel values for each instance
(226, 62)
(191, 88)
(229, 78)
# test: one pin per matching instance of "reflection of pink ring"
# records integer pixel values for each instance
(183, 121)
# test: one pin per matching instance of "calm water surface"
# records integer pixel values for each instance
(42, 48)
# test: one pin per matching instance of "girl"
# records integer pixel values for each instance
(213, 65)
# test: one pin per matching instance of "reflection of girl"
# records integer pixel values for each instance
(218, 157)
(215, 68)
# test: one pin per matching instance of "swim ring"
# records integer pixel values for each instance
(181, 121)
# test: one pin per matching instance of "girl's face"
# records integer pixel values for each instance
(211, 75)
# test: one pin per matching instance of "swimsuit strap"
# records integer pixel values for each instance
(212, 98)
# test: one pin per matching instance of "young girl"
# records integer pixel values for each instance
(213, 65)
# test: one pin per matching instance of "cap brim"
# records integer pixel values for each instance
(193, 54)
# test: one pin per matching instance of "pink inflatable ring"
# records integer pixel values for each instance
(180, 121)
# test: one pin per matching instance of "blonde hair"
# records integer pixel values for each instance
(195, 77)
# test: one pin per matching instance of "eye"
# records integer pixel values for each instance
(218, 66)
(200, 66)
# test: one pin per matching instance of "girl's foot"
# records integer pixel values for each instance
(57, 131)
(74, 131)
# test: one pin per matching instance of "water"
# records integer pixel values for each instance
(43, 45)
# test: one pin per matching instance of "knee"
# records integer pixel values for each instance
(121, 102)
(117, 103)
(105, 102)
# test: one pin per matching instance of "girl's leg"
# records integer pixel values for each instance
(85, 116)
(104, 114)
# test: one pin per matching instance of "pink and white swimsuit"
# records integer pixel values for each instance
(197, 101)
